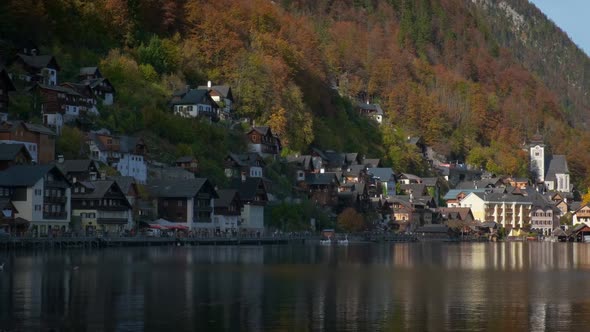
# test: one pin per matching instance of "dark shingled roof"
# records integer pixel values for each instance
(76, 165)
(371, 107)
(223, 90)
(225, 197)
(372, 163)
(37, 61)
(247, 189)
(383, 173)
(6, 203)
(321, 178)
(185, 159)
(24, 175)
(177, 187)
(10, 151)
(124, 182)
(193, 96)
(85, 71)
(100, 189)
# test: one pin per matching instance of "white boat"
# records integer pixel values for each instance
(326, 242)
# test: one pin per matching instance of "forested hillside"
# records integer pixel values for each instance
(437, 68)
(546, 50)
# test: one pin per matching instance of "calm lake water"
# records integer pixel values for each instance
(389, 287)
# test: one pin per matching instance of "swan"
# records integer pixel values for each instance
(343, 242)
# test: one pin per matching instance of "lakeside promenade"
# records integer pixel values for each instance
(63, 242)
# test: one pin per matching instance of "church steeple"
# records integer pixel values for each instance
(537, 157)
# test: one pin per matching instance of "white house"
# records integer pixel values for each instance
(222, 95)
(124, 153)
(195, 103)
(227, 211)
(41, 194)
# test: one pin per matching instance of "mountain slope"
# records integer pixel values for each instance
(545, 50)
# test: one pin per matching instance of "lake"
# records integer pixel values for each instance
(362, 287)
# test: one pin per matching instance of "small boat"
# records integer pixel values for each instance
(343, 242)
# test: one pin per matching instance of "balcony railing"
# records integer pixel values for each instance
(55, 199)
(55, 215)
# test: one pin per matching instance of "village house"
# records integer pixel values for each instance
(14, 154)
(454, 197)
(321, 188)
(31, 67)
(124, 153)
(8, 220)
(406, 178)
(87, 102)
(189, 202)
(371, 111)
(512, 211)
(101, 87)
(384, 180)
(39, 140)
(41, 195)
(78, 169)
(6, 87)
(253, 195)
(227, 211)
(250, 164)
(456, 214)
(223, 96)
(131, 190)
(354, 194)
(188, 163)
(410, 212)
(195, 103)
(59, 105)
(305, 164)
(544, 218)
(263, 141)
(101, 206)
(581, 215)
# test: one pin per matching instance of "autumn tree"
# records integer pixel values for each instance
(351, 221)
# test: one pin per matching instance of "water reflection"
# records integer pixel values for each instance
(424, 286)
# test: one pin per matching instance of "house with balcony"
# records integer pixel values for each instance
(223, 96)
(263, 141)
(101, 206)
(509, 210)
(14, 154)
(194, 103)
(39, 140)
(185, 201)
(33, 68)
(124, 153)
(100, 86)
(77, 170)
(321, 188)
(41, 194)
(227, 211)
(371, 111)
(249, 164)
(253, 195)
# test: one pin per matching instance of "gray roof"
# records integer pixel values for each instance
(416, 188)
(504, 198)
(371, 107)
(37, 61)
(247, 188)
(430, 182)
(124, 182)
(10, 151)
(127, 144)
(322, 178)
(247, 159)
(99, 187)
(223, 90)
(558, 165)
(24, 175)
(185, 159)
(354, 170)
(177, 187)
(76, 165)
(383, 173)
(88, 71)
(263, 130)
(192, 97)
(484, 183)
(453, 193)
(38, 128)
(170, 173)
(373, 163)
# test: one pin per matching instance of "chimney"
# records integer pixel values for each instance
(60, 158)
(209, 84)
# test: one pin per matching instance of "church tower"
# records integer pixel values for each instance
(537, 157)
